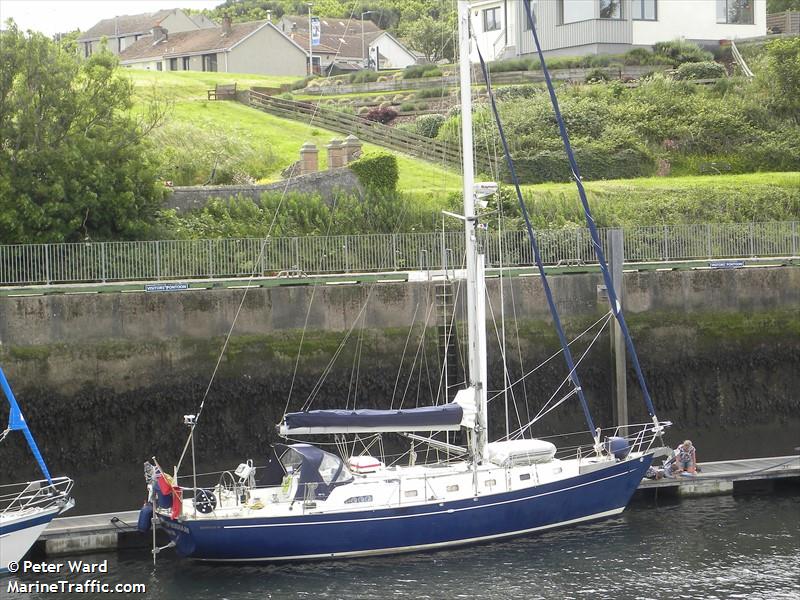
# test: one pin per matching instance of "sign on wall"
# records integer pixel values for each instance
(316, 31)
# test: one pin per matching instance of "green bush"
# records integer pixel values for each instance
(680, 51)
(594, 161)
(596, 75)
(514, 64)
(429, 125)
(437, 92)
(700, 70)
(407, 107)
(363, 76)
(377, 171)
(516, 92)
(419, 71)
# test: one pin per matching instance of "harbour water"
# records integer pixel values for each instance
(707, 548)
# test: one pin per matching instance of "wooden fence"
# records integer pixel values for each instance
(369, 131)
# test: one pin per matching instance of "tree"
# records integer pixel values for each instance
(431, 38)
(74, 164)
(775, 6)
(780, 77)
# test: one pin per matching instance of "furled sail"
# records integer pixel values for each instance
(447, 417)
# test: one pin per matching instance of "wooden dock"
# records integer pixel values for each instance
(117, 530)
(722, 477)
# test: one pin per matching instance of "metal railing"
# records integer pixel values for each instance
(33, 264)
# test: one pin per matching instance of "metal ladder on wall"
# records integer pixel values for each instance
(447, 339)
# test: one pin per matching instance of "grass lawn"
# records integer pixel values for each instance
(782, 179)
(279, 140)
(193, 85)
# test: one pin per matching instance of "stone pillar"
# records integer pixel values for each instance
(335, 154)
(352, 149)
(309, 158)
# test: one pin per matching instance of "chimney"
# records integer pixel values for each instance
(226, 26)
(159, 34)
(269, 15)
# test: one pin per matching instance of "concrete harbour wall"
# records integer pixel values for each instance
(104, 379)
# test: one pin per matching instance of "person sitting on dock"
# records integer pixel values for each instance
(686, 458)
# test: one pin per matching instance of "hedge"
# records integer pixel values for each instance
(377, 171)
(594, 163)
(700, 70)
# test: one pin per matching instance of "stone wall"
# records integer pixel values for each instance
(325, 183)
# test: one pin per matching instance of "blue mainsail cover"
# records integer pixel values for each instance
(16, 422)
(428, 418)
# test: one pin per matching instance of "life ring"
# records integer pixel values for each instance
(205, 501)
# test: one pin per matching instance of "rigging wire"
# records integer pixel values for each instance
(416, 354)
(573, 375)
(505, 390)
(321, 380)
(544, 410)
(616, 307)
(555, 354)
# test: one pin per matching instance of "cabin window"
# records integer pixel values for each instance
(491, 19)
(410, 493)
(452, 488)
(525, 477)
(490, 483)
(644, 10)
(358, 499)
(185, 63)
(735, 12)
(610, 9)
(210, 62)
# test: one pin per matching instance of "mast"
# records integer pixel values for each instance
(476, 295)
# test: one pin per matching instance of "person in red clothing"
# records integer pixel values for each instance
(686, 458)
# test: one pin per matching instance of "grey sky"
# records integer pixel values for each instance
(58, 16)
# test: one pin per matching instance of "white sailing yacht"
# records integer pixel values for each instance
(308, 503)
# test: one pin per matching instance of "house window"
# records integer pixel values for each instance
(185, 63)
(159, 66)
(173, 64)
(87, 49)
(572, 11)
(526, 24)
(610, 9)
(644, 10)
(210, 62)
(491, 19)
(735, 12)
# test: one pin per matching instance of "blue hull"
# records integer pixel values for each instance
(594, 495)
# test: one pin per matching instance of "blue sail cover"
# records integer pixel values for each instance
(16, 422)
(428, 418)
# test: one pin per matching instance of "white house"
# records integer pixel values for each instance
(254, 47)
(579, 27)
(344, 45)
